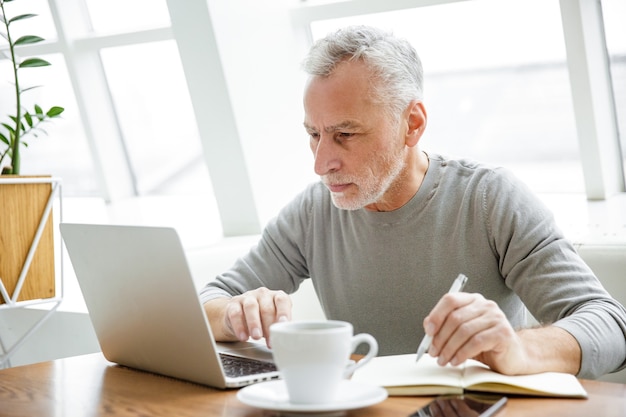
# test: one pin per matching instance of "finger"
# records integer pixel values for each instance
(252, 311)
(267, 312)
(461, 341)
(451, 334)
(445, 317)
(446, 304)
(235, 318)
(481, 327)
(491, 340)
(496, 340)
(283, 305)
(278, 309)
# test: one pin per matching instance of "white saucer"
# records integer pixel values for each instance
(272, 395)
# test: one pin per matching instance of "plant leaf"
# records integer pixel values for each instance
(38, 110)
(55, 111)
(21, 17)
(9, 128)
(29, 88)
(17, 125)
(28, 119)
(33, 62)
(28, 39)
(4, 139)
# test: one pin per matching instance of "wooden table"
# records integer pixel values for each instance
(91, 386)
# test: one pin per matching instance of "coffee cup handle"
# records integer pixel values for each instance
(358, 339)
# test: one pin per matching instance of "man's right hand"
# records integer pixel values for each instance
(247, 315)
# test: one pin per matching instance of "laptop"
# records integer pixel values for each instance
(145, 308)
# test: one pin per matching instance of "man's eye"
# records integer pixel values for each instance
(343, 135)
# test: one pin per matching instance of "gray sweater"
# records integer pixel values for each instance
(384, 271)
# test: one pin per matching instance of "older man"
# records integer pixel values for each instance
(389, 226)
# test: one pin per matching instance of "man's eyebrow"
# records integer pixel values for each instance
(348, 124)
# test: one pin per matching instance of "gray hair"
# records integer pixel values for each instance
(396, 67)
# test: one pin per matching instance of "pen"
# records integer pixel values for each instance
(457, 286)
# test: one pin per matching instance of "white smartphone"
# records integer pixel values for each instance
(466, 405)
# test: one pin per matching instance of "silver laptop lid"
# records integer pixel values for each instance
(143, 302)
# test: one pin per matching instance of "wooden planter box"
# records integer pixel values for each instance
(24, 201)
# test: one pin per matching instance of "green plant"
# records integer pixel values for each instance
(23, 122)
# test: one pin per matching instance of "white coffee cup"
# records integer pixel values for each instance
(314, 356)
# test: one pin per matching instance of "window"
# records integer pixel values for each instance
(44, 25)
(63, 152)
(113, 16)
(497, 90)
(494, 90)
(128, 118)
(614, 14)
(153, 106)
(130, 41)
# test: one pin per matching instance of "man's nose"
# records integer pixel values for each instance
(326, 156)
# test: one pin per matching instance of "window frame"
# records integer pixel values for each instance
(225, 159)
(588, 68)
(587, 59)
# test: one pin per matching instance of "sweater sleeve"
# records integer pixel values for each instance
(545, 271)
(276, 262)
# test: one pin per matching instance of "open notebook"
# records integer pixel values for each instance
(145, 310)
(401, 375)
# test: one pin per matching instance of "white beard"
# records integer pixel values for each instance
(371, 188)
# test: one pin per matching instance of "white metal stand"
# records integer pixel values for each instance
(11, 301)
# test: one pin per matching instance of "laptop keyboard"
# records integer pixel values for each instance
(235, 366)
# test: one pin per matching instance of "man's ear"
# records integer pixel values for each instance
(416, 121)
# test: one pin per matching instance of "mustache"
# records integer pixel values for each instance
(334, 179)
